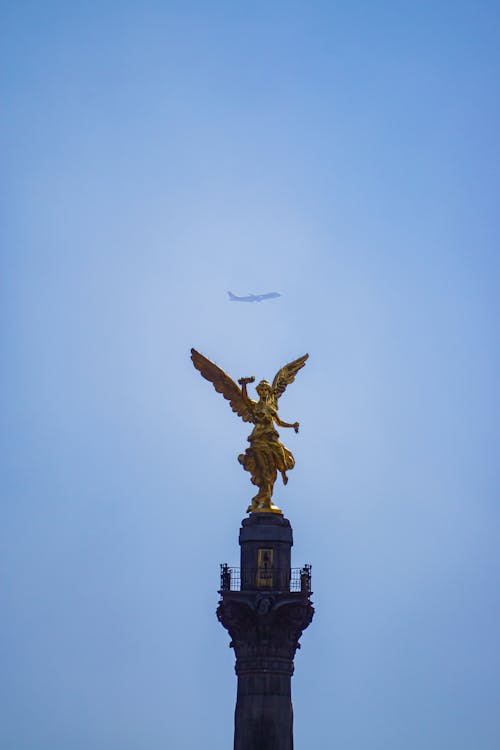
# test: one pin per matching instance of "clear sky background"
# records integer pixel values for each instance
(154, 156)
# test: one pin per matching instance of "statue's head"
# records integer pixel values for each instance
(263, 389)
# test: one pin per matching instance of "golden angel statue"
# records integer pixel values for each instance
(266, 455)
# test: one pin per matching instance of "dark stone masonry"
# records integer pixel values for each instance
(265, 605)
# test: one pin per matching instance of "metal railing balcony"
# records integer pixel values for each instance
(275, 579)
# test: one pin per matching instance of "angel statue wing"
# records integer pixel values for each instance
(286, 375)
(225, 385)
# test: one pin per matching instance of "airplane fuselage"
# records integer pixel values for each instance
(253, 297)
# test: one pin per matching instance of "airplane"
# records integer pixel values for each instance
(253, 297)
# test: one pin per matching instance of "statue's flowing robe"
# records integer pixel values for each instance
(266, 455)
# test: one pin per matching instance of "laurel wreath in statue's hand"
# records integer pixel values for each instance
(246, 381)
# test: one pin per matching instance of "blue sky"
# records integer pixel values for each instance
(156, 155)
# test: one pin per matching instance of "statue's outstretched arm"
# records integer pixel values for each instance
(280, 422)
(243, 382)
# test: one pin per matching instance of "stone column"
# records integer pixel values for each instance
(265, 620)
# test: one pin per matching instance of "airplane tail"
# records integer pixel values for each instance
(232, 297)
